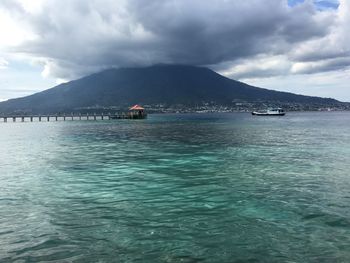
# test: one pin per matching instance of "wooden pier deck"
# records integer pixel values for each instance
(70, 117)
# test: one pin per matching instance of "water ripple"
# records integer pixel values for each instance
(177, 188)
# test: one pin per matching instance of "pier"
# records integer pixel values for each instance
(135, 112)
(71, 117)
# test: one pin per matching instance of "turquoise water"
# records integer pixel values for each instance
(177, 188)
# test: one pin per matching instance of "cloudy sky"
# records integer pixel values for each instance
(297, 46)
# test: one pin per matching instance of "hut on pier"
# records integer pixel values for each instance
(137, 112)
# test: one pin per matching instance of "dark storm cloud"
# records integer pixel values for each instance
(319, 55)
(211, 32)
(77, 37)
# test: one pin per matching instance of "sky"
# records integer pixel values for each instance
(300, 46)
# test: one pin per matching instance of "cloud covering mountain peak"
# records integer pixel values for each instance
(73, 38)
(248, 40)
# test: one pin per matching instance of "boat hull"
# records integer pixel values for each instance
(267, 114)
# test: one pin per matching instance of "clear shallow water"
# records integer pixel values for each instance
(177, 188)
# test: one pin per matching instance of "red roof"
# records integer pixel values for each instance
(136, 107)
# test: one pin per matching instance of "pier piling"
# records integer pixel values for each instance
(77, 116)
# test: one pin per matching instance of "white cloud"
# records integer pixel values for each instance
(32, 6)
(13, 32)
(260, 66)
(3, 63)
(316, 54)
(334, 84)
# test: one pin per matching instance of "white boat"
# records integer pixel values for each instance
(270, 112)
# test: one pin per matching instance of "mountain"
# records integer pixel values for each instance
(165, 84)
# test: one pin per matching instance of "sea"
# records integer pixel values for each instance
(220, 187)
